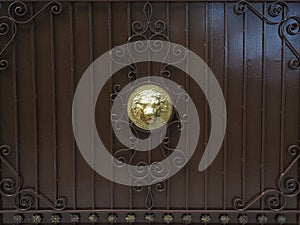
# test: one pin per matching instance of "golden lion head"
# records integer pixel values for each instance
(148, 105)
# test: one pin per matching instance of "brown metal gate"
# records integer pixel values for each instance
(252, 48)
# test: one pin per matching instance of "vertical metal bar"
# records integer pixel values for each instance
(187, 5)
(205, 105)
(244, 105)
(54, 116)
(109, 15)
(91, 58)
(282, 105)
(225, 95)
(35, 120)
(263, 108)
(149, 64)
(149, 143)
(16, 111)
(168, 34)
(129, 34)
(149, 79)
(73, 85)
(298, 175)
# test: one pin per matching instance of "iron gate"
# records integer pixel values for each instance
(252, 48)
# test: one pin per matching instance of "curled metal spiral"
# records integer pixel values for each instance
(275, 198)
(290, 186)
(291, 27)
(3, 64)
(19, 13)
(121, 157)
(5, 150)
(287, 25)
(7, 26)
(276, 9)
(60, 203)
(279, 8)
(23, 201)
(294, 27)
(128, 156)
(4, 28)
(161, 186)
(275, 201)
(8, 187)
(164, 72)
(23, 198)
(148, 32)
(294, 63)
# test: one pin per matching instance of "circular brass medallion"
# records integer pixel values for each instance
(149, 107)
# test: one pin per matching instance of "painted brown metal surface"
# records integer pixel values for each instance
(252, 48)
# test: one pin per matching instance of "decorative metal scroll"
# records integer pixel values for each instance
(145, 31)
(148, 31)
(287, 25)
(19, 13)
(275, 198)
(23, 198)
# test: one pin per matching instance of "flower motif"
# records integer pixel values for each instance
(205, 219)
(18, 218)
(93, 217)
(36, 218)
(74, 218)
(187, 218)
(149, 217)
(55, 218)
(224, 219)
(281, 219)
(168, 218)
(130, 218)
(112, 218)
(243, 219)
(262, 219)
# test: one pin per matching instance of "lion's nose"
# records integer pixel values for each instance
(149, 111)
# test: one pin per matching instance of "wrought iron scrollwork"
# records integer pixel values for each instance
(6, 26)
(276, 9)
(291, 27)
(287, 25)
(275, 198)
(128, 156)
(18, 13)
(148, 31)
(23, 198)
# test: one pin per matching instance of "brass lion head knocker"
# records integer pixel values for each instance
(149, 107)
